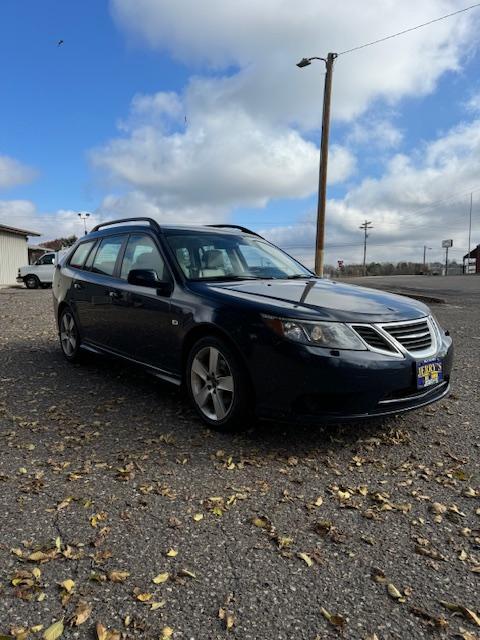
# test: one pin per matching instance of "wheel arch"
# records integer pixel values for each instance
(62, 305)
(207, 330)
(31, 275)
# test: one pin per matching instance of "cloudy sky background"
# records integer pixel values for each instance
(195, 112)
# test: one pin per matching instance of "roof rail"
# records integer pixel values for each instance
(234, 226)
(153, 223)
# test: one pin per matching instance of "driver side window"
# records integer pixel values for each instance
(142, 253)
(48, 259)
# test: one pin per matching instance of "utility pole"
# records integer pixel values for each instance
(469, 234)
(446, 260)
(366, 227)
(322, 177)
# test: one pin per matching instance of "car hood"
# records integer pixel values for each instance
(323, 299)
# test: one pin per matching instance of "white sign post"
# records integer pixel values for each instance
(446, 244)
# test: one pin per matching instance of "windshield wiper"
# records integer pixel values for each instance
(300, 276)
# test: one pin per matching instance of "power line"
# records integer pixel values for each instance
(401, 33)
(436, 203)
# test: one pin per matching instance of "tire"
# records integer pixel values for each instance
(69, 335)
(31, 282)
(218, 386)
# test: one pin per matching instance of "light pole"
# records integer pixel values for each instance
(425, 249)
(84, 217)
(469, 234)
(322, 176)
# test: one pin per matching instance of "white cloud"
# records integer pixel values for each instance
(223, 157)
(265, 40)
(23, 214)
(13, 172)
(136, 203)
(375, 133)
(418, 200)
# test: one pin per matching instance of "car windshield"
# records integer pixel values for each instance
(216, 256)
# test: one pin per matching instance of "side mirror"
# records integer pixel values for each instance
(149, 278)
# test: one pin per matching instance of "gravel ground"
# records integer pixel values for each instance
(108, 481)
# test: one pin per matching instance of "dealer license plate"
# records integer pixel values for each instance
(429, 372)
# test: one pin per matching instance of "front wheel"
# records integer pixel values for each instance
(32, 282)
(69, 336)
(218, 385)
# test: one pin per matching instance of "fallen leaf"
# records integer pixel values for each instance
(144, 597)
(439, 508)
(262, 523)
(68, 585)
(393, 591)
(54, 631)
(187, 573)
(438, 621)
(198, 516)
(118, 576)
(172, 553)
(162, 577)
(306, 558)
(469, 614)
(333, 618)
(82, 613)
(167, 632)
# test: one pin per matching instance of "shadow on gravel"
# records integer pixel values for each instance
(99, 378)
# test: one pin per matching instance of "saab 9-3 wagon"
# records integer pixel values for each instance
(245, 327)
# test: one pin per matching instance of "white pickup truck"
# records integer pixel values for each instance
(40, 273)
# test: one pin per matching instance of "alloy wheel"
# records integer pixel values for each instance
(68, 334)
(212, 383)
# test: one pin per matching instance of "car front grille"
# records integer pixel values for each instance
(373, 338)
(413, 336)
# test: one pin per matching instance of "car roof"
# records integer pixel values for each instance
(130, 225)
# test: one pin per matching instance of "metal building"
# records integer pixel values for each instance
(471, 261)
(13, 252)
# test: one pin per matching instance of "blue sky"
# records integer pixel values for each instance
(98, 123)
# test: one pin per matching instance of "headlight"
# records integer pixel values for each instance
(332, 335)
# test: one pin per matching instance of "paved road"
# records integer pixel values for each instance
(103, 470)
(448, 287)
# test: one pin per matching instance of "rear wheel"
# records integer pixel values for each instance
(32, 282)
(69, 336)
(218, 385)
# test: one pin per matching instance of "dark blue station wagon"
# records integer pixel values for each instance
(245, 327)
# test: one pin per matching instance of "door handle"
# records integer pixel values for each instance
(77, 285)
(115, 295)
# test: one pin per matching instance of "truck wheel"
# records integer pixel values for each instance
(69, 336)
(218, 385)
(32, 282)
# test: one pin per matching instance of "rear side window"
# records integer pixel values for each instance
(91, 256)
(107, 255)
(80, 253)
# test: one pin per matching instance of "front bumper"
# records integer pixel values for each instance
(19, 279)
(311, 384)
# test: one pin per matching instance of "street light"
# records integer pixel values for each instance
(322, 177)
(84, 217)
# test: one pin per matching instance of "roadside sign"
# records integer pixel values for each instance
(447, 243)
(470, 265)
